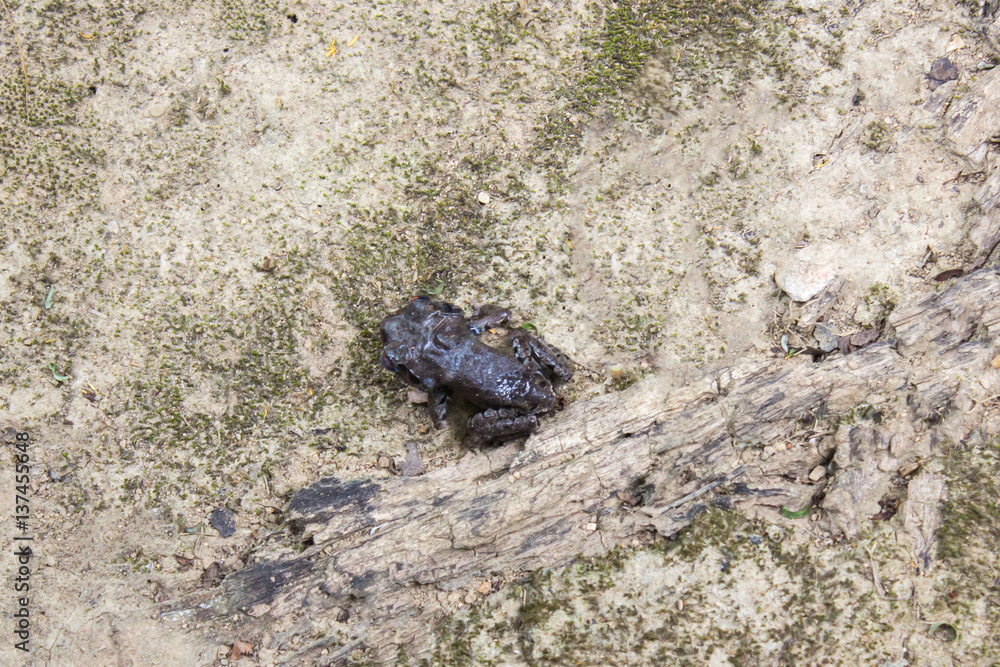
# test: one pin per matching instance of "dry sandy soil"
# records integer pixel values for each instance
(208, 207)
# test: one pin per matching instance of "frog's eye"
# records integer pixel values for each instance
(387, 363)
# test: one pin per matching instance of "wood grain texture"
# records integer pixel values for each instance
(613, 469)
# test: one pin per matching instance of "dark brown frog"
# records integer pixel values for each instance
(432, 346)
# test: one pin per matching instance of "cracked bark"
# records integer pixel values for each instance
(385, 549)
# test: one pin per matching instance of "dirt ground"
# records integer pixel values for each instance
(207, 208)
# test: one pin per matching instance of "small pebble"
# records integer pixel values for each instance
(484, 198)
(826, 337)
(818, 473)
(484, 588)
(955, 44)
(156, 110)
(416, 396)
(807, 273)
(223, 521)
(942, 70)
(591, 526)
(412, 465)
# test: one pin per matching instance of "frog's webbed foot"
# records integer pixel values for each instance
(437, 407)
(539, 355)
(502, 424)
(488, 316)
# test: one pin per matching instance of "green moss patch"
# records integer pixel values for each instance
(969, 535)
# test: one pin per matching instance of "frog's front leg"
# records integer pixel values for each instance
(437, 406)
(502, 424)
(537, 354)
(488, 316)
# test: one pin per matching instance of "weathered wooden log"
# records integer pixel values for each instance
(618, 468)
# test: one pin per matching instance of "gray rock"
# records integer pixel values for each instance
(826, 338)
(942, 70)
(223, 521)
(156, 110)
(412, 464)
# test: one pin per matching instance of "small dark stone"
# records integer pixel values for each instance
(412, 464)
(223, 521)
(343, 615)
(865, 337)
(943, 70)
(858, 98)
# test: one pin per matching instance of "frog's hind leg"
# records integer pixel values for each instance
(488, 316)
(537, 354)
(502, 424)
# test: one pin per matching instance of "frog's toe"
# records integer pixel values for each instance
(536, 354)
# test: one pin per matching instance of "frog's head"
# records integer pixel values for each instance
(412, 333)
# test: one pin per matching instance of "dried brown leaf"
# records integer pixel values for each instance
(240, 649)
(949, 274)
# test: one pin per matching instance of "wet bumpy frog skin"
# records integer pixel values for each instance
(432, 346)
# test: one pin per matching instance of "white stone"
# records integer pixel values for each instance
(807, 272)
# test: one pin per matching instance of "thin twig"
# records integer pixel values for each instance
(20, 52)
